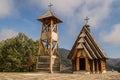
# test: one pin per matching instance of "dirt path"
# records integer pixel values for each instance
(59, 76)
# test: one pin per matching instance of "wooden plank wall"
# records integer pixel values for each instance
(103, 65)
(96, 65)
(87, 65)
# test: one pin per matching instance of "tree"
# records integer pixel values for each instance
(17, 52)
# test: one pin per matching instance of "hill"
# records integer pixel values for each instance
(63, 55)
(113, 64)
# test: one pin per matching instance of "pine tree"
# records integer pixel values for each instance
(17, 52)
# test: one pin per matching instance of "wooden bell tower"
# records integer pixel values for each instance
(48, 57)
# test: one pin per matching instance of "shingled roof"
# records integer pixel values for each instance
(49, 14)
(86, 41)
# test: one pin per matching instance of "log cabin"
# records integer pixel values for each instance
(86, 54)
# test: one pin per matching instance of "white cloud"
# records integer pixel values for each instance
(113, 36)
(97, 10)
(6, 8)
(7, 33)
(74, 11)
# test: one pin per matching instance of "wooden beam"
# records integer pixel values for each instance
(87, 65)
(93, 66)
(97, 66)
(97, 46)
(103, 65)
(51, 61)
(77, 64)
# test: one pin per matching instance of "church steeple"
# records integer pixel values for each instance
(49, 15)
(50, 59)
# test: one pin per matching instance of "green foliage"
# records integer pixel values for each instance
(18, 54)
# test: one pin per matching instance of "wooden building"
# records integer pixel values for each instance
(48, 57)
(86, 54)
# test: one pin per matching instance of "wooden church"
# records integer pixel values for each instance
(86, 55)
(48, 57)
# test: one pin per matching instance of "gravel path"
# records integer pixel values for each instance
(59, 76)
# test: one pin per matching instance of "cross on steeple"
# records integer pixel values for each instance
(50, 5)
(86, 19)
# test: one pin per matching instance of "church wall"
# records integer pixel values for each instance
(73, 65)
(103, 65)
(94, 66)
(87, 65)
(76, 63)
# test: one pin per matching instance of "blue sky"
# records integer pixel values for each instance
(20, 16)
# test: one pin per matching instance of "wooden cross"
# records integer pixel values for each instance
(50, 5)
(86, 19)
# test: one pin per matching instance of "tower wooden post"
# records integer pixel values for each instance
(48, 59)
(51, 53)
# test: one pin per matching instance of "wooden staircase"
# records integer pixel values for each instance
(43, 64)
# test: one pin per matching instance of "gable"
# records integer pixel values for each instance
(81, 49)
(81, 53)
(87, 42)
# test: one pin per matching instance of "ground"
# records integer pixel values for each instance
(59, 76)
